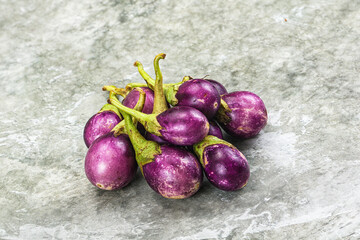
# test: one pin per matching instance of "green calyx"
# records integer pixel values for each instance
(209, 140)
(145, 150)
(109, 107)
(221, 115)
(148, 120)
(172, 90)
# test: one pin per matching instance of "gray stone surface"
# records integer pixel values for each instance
(301, 57)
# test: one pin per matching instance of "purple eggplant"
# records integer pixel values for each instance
(224, 165)
(110, 162)
(215, 130)
(101, 123)
(170, 171)
(219, 87)
(242, 114)
(180, 125)
(199, 94)
(196, 93)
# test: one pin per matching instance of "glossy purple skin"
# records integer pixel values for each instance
(219, 87)
(183, 125)
(225, 167)
(199, 94)
(175, 173)
(110, 162)
(98, 125)
(155, 138)
(133, 97)
(215, 130)
(248, 114)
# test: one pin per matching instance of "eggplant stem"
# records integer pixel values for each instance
(160, 104)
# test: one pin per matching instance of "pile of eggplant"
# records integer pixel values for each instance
(171, 132)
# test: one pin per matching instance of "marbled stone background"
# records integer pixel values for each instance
(301, 57)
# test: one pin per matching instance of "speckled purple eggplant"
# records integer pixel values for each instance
(248, 114)
(219, 87)
(153, 137)
(183, 125)
(110, 162)
(215, 130)
(225, 167)
(133, 97)
(199, 94)
(175, 173)
(99, 124)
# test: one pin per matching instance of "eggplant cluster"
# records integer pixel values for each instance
(171, 132)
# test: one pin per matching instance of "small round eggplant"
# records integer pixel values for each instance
(170, 171)
(175, 173)
(242, 114)
(199, 94)
(101, 123)
(110, 162)
(224, 165)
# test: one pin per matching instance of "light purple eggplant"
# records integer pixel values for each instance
(110, 162)
(169, 170)
(101, 123)
(242, 114)
(224, 165)
(215, 130)
(219, 87)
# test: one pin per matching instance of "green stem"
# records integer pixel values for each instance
(118, 91)
(131, 86)
(114, 101)
(145, 76)
(160, 104)
(145, 150)
(122, 92)
(150, 81)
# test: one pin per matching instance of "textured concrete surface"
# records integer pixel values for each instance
(301, 57)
